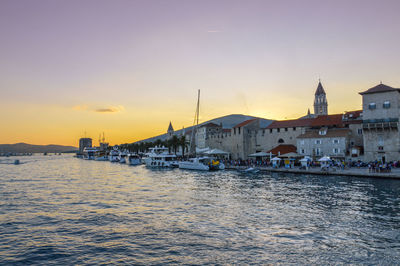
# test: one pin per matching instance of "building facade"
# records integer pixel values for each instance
(381, 115)
(84, 143)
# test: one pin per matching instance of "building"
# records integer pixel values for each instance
(333, 142)
(203, 133)
(380, 123)
(320, 102)
(84, 143)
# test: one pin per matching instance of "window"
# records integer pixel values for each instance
(381, 142)
(317, 141)
(302, 151)
(318, 151)
(336, 150)
(294, 128)
(386, 104)
(286, 129)
(263, 132)
(372, 106)
(322, 132)
(234, 131)
(278, 130)
(270, 130)
(239, 130)
(359, 131)
(281, 141)
(335, 141)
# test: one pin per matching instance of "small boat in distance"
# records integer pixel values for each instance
(122, 156)
(114, 155)
(133, 159)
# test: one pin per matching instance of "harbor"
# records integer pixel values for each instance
(64, 210)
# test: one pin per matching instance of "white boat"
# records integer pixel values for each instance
(159, 157)
(133, 159)
(198, 163)
(89, 152)
(114, 155)
(101, 158)
(122, 156)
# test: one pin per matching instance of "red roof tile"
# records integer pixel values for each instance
(244, 123)
(327, 120)
(283, 149)
(303, 122)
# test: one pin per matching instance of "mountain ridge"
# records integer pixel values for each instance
(23, 147)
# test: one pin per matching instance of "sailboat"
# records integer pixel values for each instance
(196, 163)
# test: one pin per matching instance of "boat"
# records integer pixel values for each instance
(114, 155)
(122, 156)
(198, 163)
(250, 170)
(158, 157)
(89, 153)
(133, 159)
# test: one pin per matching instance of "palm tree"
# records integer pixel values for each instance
(175, 143)
(183, 144)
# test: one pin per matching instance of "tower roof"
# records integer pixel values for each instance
(320, 90)
(170, 128)
(379, 88)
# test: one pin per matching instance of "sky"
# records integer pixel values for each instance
(128, 68)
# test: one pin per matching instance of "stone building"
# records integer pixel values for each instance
(204, 132)
(333, 142)
(239, 141)
(381, 112)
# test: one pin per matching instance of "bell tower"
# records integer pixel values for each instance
(320, 102)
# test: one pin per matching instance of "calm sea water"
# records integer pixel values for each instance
(62, 210)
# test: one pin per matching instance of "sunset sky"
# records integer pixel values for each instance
(129, 67)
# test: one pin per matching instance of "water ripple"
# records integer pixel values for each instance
(61, 210)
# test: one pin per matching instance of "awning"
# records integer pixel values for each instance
(260, 154)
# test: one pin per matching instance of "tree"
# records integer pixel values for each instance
(175, 143)
(183, 143)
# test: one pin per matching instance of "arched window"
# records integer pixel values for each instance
(281, 141)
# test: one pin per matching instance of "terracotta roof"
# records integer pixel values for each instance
(379, 88)
(244, 123)
(283, 149)
(303, 122)
(327, 120)
(331, 133)
(352, 117)
(226, 130)
(320, 90)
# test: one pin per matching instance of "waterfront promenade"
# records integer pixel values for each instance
(354, 171)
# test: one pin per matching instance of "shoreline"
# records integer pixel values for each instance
(356, 172)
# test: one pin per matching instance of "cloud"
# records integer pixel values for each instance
(213, 31)
(106, 109)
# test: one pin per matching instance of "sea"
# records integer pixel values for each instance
(60, 210)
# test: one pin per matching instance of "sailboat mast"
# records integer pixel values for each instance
(198, 108)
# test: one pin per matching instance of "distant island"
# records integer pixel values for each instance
(29, 148)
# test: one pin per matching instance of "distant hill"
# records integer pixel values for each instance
(25, 148)
(228, 121)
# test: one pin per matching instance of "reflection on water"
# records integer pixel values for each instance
(58, 209)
